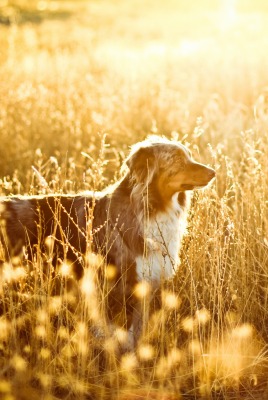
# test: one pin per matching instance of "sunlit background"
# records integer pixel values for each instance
(125, 68)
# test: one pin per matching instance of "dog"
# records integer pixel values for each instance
(137, 224)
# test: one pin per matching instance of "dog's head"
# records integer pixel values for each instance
(168, 165)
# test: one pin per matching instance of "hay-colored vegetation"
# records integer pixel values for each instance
(73, 72)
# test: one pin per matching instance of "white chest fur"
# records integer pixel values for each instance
(163, 235)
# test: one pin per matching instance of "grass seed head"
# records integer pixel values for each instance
(202, 316)
(41, 331)
(44, 353)
(121, 335)
(49, 243)
(18, 363)
(170, 300)
(111, 272)
(188, 324)
(128, 362)
(244, 331)
(65, 269)
(142, 290)
(146, 352)
(11, 273)
(88, 285)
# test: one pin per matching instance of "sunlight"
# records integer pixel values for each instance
(228, 14)
(188, 47)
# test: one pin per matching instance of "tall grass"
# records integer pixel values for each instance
(64, 86)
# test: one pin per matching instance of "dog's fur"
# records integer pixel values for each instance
(137, 225)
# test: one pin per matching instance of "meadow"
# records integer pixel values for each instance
(81, 82)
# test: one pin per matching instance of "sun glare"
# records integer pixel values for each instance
(228, 14)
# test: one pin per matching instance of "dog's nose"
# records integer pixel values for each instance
(211, 173)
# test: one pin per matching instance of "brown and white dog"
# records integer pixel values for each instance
(137, 225)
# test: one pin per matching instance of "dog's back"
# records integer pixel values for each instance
(26, 222)
(101, 223)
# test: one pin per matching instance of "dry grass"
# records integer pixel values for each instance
(127, 70)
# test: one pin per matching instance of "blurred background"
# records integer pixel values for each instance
(74, 70)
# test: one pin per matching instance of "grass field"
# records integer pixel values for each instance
(82, 81)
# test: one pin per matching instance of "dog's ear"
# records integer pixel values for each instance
(141, 164)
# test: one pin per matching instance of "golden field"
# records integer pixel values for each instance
(82, 81)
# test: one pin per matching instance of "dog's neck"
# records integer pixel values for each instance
(148, 200)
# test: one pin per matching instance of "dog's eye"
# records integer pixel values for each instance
(170, 173)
